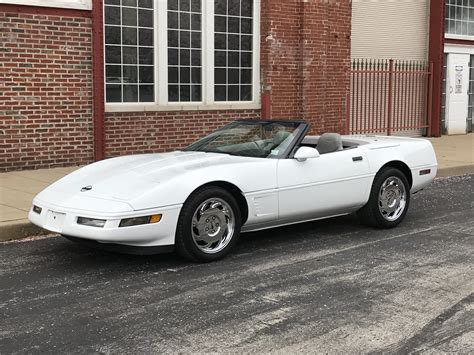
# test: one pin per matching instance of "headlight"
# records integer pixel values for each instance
(37, 209)
(91, 222)
(135, 221)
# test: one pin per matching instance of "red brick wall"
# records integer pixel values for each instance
(281, 56)
(305, 59)
(45, 91)
(46, 85)
(326, 63)
(149, 132)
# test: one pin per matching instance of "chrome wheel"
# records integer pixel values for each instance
(213, 225)
(392, 198)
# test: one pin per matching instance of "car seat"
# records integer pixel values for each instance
(329, 143)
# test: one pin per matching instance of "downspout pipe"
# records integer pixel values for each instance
(436, 57)
(98, 78)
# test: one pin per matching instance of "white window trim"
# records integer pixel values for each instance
(450, 48)
(161, 67)
(189, 106)
(68, 4)
(463, 37)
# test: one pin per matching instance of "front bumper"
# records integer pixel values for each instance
(64, 221)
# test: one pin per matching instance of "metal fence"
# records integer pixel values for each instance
(388, 96)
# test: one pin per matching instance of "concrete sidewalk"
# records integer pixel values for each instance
(455, 157)
(455, 154)
(17, 190)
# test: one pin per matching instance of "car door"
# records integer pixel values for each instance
(331, 184)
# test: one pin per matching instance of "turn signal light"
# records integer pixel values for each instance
(37, 209)
(155, 218)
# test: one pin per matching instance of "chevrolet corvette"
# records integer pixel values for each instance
(246, 176)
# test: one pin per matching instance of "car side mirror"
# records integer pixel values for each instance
(304, 153)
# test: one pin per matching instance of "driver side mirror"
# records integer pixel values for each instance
(304, 153)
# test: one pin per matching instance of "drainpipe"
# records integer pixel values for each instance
(98, 78)
(435, 56)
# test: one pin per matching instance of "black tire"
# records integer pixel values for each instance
(371, 214)
(185, 244)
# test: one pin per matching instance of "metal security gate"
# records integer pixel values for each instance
(388, 96)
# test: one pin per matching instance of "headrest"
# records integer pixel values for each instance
(329, 142)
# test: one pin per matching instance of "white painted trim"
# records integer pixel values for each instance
(144, 107)
(160, 52)
(256, 53)
(68, 4)
(208, 54)
(458, 48)
(463, 37)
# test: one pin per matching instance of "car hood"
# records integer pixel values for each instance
(126, 178)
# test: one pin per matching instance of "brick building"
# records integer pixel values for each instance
(82, 80)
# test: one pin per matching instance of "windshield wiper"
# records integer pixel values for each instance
(210, 151)
(221, 152)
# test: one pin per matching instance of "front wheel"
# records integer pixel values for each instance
(209, 225)
(389, 199)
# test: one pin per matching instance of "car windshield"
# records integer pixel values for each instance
(258, 139)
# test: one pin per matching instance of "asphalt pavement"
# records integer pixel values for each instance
(325, 286)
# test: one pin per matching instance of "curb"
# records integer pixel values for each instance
(24, 228)
(456, 171)
(19, 229)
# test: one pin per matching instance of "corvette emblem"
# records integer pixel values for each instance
(86, 188)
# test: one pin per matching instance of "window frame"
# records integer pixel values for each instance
(59, 4)
(161, 67)
(122, 46)
(468, 22)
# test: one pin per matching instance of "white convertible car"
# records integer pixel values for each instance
(246, 176)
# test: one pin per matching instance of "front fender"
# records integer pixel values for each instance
(249, 176)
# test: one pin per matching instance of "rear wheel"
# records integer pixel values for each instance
(209, 225)
(389, 199)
